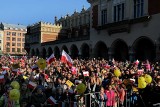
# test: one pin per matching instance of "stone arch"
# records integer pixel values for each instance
(101, 50)
(120, 50)
(44, 53)
(74, 51)
(37, 52)
(32, 52)
(56, 52)
(65, 49)
(144, 48)
(85, 51)
(50, 51)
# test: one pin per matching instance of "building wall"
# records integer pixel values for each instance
(14, 44)
(130, 30)
(1, 41)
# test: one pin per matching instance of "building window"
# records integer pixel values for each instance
(13, 44)
(0, 35)
(8, 33)
(23, 39)
(18, 44)
(138, 8)
(84, 32)
(104, 17)
(8, 38)
(8, 49)
(0, 48)
(13, 49)
(23, 44)
(19, 34)
(23, 34)
(8, 44)
(23, 50)
(119, 12)
(13, 39)
(13, 33)
(0, 41)
(18, 49)
(19, 39)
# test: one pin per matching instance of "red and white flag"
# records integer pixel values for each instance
(5, 68)
(65, 58)
(85, 73)
(136, 62)
(52, 100)
(51, 59)
(74, 70)
(1, 78)
(140, 71)
(35, 67)
(32, 85)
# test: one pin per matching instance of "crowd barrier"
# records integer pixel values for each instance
(91, 100)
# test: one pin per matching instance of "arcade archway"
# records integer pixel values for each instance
(120, 50)
(50, 51)
(100, 50)
(65, 49)
(85, 51)
(144, 49)
(44, 53)
(37, 52)
(57, 52)
(74, 51)
(32, 52)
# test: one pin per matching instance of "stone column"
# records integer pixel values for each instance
(131, 53)
(110, 53)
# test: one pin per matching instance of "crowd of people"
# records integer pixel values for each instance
(105, 89)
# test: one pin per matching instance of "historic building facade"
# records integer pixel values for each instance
(120, 29)
(1, 41)
(74, 30)
(39, 33)
(125, 29)
(13, 38)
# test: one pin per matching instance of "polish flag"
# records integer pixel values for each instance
(136, 62)
(85, 73)
(65, 58)
(52, 100)
(140, 71)
(32, 85)
(51, 59)
(11, 58)
(5, 68)
(35, 67)
(107, 66)
(1, 78)
(74, 70)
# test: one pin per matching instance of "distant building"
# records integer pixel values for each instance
(41, 32)
(1, 41)
(74, 34)
(13, 38)
(119, 29)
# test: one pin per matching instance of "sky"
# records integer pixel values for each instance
(28, 12)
